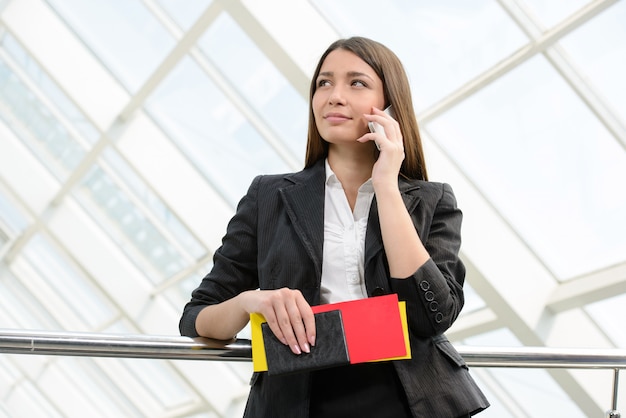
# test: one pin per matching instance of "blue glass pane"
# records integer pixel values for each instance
(257, 79)
(107, 201)
(546, 163)
(154, 204)
(473, 301)
(11, 215)
(33, 122)
(598, 50)
(609, 314)
(552, 12)
(18, 307)
(163, 383)
(179, 294)
(211, 131)
(187, 15)
(69, 283)
(124, 34)
(47, 87)
(531, 391)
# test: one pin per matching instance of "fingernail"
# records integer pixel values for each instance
(296, 349)
(312, 340)
(306, 348)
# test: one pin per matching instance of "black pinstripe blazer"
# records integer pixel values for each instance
(275, 240)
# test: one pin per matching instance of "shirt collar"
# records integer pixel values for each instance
(332, 180)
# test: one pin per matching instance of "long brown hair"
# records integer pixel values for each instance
(397, 94)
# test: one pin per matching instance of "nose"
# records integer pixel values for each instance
(336, 96)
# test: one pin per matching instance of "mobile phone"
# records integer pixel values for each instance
(377, 127)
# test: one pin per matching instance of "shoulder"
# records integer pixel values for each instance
(423, 187)
(430, 192)
(274, 181)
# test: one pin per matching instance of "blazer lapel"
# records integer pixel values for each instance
(304, 203)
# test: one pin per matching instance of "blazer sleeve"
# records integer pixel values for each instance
(434, 293)
(234, 263)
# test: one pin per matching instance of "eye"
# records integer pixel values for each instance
(323, 82)
(359, 83)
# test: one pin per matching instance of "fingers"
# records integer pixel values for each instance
(290, 318)
(385, 130)
(309, 321)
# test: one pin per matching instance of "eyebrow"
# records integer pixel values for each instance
(350, 74)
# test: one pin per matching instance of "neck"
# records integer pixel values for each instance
(352, 166)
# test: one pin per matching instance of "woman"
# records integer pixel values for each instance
(360, 220)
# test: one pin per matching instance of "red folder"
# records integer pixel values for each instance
(373, 327)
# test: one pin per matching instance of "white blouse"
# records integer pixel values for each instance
(344, 241)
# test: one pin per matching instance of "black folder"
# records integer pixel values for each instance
(330, 347)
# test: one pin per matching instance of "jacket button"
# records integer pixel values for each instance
(429, 296)
(379, 291)
(434, 306)
(439, 317)
(424, 285)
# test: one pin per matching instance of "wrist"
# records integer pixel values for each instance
(385, 188)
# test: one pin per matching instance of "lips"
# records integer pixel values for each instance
(336, 117)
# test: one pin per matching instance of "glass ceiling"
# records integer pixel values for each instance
(129, 129)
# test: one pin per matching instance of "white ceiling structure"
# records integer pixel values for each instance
(129, 129)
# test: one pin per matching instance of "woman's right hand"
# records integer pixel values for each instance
(287, 313)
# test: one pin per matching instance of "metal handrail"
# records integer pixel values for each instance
(122, 345)
(65, 343)
(176, 347)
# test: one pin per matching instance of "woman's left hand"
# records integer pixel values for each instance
(390, 145)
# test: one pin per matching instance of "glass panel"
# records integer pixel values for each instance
(599, 51)
(72, 286)
(105, 198)
(552, 12)
(79, 387)
(164, 385)
(25, 400)
(180, 293)
(11, 215)
(441, 44)
(187, 15)
(546, 163)
(534, 389)
(473, 301)
(9, 373)
(609, 314)
(159, 377)
(18, 307)
(46, 86)
(32, 122)
(123, 33)
(213, 134)
(256, 78)
(154, 204)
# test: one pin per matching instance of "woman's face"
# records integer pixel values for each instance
(347, 88)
